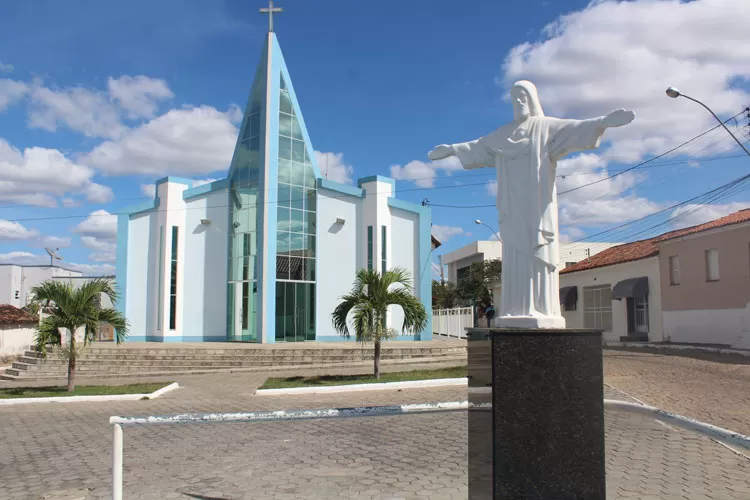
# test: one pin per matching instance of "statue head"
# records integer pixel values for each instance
(525, 100)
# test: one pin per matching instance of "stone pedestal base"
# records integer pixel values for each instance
(535, 322)
(547, 425)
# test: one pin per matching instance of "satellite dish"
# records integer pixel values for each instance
(52, 255)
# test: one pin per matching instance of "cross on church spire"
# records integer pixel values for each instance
(270, 10)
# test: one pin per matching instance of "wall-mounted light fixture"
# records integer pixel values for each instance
(339, 220)
(205, 222)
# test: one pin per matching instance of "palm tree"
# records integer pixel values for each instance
(72, 308)
(368, 301)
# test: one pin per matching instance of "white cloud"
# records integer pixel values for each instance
(11, 91)
(235, 114)
(14, 231)
(423, 173)
(69, 202)
(104, 250)
(148, 190)
(99, 224)
(6, 68)
(571, 234)
(333, 163)
(609, 56)
(138, 95)
(693, 214)
(188, 141)
(36, 175)
(23, 258)
(492, 188)
(89, 112)
(56, 242)
(444, 233)
(200, 182)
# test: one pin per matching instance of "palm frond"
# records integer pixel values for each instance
(47, 332)
(415, 315)
(118, 322)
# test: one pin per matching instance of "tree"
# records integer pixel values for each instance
(72, 308)
(368, 302)
(475, 286)
(444, 295)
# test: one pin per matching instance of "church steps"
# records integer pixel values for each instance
(56, 372)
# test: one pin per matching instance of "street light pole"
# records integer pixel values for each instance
(479, 222)
(674, 93)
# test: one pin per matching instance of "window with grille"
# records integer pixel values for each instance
(597, 307)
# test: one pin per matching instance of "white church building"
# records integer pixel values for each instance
(265, 254)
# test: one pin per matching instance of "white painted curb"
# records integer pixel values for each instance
(91, 399)
(411, 384)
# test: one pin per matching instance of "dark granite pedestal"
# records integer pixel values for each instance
(546, 426)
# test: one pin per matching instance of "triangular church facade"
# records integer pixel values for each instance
(265, 254)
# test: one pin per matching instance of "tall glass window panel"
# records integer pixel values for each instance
(284, 195)
(298, 151)
(298, 221)
(285, 148)
(285, 103)
(283, 221)
(290, 313)
(285, 124)
(369, 248)
(160, 309)
(298, 174)
(173, 281)
(382, 250)
(285, 171)
(297, 197)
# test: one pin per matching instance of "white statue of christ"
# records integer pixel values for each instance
(525, 154)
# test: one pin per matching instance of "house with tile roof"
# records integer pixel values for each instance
(705, 282)
(16, 330)
(643, 291)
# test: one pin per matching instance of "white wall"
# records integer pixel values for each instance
(10, 283)
(611, 275)
(711, 326)
(15, 339)
(404, 254)
(204, 282)
(339, 254)
(141, 292)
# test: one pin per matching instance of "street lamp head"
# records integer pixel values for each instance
(477, 221)
(673, 92)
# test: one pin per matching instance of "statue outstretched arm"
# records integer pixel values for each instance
(472, 154)
(570, 136)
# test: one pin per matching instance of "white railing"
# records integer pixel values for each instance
(732, 439)
(452, 322)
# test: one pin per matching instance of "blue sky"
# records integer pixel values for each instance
(98, 99)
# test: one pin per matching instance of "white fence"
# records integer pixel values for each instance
(452, 322)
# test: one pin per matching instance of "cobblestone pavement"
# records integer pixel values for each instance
(53, 447)
(708, 389)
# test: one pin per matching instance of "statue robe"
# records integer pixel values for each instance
(525, 157)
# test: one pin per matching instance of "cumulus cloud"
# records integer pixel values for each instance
(423, 173)
(14, 231)
(11, 91)
(92, 269)
(571, 234)
(609, 56)
(694, 214)
(37, 175)
(6, 68)
(444, 233)
(104, 250)
(333, 164)
(23, 258)
(56, 242)
(138, 95)
(148, 190)
(99, 224)
(188, 141)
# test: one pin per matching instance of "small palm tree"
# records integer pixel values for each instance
(72, 308)
(368, 301)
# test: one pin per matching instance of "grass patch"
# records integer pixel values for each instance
(324, 380)
(83, 390)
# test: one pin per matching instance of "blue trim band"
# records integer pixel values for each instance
(142, 207)
(341, 188)
(423, 284)
(378, 178)
(341, 338)
(177, 180)
(121, 261)
(205, 188)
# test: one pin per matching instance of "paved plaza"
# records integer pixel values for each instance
(48, 448)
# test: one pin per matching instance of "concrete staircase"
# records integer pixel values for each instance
(102, 361)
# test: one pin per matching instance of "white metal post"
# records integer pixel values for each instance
(117, 464)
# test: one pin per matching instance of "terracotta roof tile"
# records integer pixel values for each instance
(11, 315)
(644, 249)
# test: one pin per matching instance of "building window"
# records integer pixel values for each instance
(597, 307)
(369, 248)
(383, 263)
(641, 314)
(568, 264)
(463, 274)
(160, 308)
(712, 265)
(674, 270)
(173, 282)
